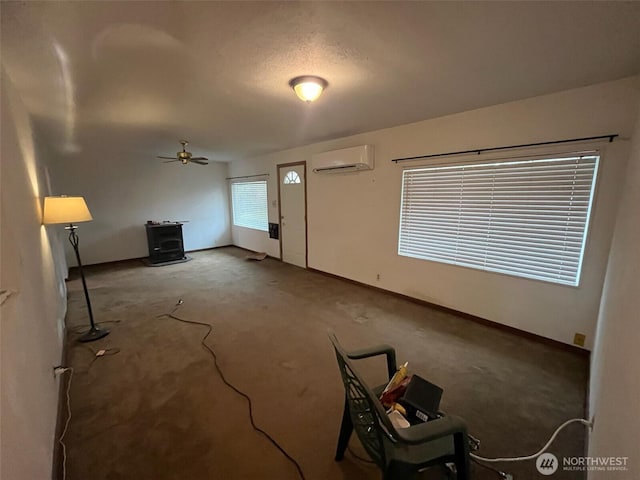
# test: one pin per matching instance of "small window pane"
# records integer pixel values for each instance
(291, 177)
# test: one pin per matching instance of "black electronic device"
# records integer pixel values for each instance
(421, 399)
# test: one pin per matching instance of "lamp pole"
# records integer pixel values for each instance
(94, 332)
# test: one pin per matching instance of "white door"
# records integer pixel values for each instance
(293, 224)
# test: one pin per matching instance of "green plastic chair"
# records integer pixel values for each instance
(400, 453)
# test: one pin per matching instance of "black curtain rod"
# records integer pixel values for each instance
(249, 176)
(493, 149)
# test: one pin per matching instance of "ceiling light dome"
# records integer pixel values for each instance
(308, 88)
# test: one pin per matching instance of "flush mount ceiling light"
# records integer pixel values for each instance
(308, 88)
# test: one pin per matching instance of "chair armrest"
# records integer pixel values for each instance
(384, 349)
(438, 428)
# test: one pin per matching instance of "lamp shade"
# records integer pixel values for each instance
(65, 210)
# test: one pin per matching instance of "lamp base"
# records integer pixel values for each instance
(94, 334)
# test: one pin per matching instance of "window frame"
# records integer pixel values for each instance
(538, 154)
(244, 220)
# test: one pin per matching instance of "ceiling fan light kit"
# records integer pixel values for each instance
(308, 87)
(185, 157)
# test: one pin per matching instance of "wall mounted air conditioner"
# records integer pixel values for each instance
(352, 159)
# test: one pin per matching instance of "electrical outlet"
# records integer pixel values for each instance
(578, 339)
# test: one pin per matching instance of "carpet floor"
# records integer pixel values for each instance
(155, 408)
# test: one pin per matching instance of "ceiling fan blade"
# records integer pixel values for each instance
(171, 161)
(200, 160)
(166, 158)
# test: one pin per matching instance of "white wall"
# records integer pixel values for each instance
(31, 319)
(123, 190)
(353, 219)
(615, 382)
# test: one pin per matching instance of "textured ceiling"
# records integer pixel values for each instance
(135, 77)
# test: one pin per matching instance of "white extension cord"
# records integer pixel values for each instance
(541, 451)
(60, 371)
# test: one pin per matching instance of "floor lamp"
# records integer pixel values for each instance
(72, 210)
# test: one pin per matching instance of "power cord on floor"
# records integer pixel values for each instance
(60, 371)
(172, 315)
(359, 457)
(103, 352)
(499, 473)
(539, 452)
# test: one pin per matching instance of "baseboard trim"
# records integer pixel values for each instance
(124, 261)
(248, 250)
(467, 316)
(209, 248)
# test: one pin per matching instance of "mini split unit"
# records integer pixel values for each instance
(354, 159)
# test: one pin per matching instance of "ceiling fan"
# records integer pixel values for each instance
(185, 157)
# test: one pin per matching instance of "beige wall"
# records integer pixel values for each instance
(353, 218)
(615, 382)
(31, 319)
(125, 189)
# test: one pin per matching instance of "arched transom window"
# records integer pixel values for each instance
(291, 177)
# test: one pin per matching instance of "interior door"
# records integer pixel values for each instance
(292, 192)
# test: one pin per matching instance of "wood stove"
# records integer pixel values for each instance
(165, 242)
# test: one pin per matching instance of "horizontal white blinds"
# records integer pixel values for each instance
(526, 217)
(249, 204)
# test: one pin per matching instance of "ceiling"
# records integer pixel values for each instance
(136, 77)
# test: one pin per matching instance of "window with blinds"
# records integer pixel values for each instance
(520, 217)
(249, 205)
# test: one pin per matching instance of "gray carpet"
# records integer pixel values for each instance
(158, 409)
